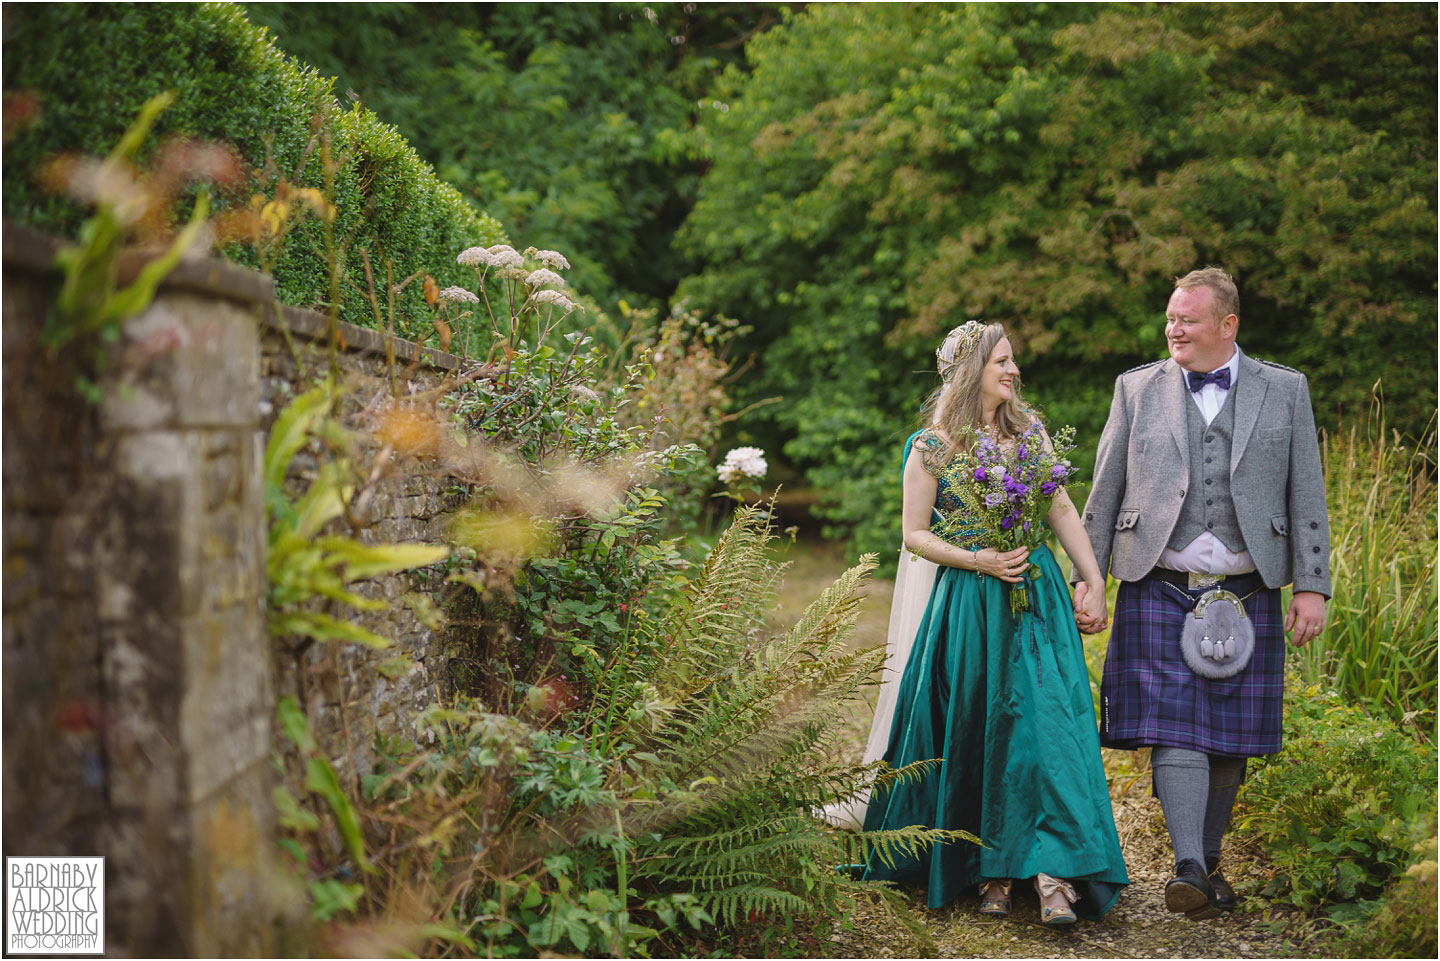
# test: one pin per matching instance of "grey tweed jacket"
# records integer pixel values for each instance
(1142, 468)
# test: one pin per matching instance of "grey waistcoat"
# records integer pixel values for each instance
(1212, 510)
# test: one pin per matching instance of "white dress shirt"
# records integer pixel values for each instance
(1207, 554)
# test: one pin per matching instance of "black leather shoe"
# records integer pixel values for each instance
(1189, 892)
(1222, 894)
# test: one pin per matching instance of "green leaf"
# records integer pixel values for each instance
(395, 667)
(329, 898)
(294, 724)
(320, 778)
(289, 433)
(322, 627)
(362, 560)
(291, 814)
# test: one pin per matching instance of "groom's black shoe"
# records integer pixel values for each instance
(1189, 892)
(1223, 895)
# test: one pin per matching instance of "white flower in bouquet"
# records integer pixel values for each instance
(742, 463)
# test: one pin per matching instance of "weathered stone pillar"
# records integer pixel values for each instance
(184, 651)
(137, 665)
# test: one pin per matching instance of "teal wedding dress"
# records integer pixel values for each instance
(1006, 704)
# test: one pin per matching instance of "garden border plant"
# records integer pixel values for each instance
(82, 70)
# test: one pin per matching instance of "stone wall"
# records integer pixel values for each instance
(139, 681)
(343, 689)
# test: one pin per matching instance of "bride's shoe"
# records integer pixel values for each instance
(1056, 896)
(995, 897)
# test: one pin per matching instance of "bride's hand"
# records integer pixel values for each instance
(1008, 566)
(1090, 613)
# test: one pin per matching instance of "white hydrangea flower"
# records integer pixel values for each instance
(742, 462)
(555, 299)
(473, 257)
(503, 255)
(543, 277)
(458, 295)
(550, 258)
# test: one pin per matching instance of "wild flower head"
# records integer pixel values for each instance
(544, 278)
(554, 298)
(743, 462)
(458, 295)
(503, 255)
(550, 258)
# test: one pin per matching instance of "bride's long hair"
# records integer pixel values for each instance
(956, 407)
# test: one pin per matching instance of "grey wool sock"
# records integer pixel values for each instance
(1226, 776)
(1182, 783)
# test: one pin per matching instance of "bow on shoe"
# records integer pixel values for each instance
(1048, 886)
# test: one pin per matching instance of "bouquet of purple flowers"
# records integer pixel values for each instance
(1005, 494)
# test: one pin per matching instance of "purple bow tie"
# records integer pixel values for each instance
(1220, 378)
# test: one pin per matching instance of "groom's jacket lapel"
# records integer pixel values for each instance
(1169, 383)
(1248, 397)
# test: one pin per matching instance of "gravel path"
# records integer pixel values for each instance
(1137, 927)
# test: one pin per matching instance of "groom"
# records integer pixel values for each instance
(1207, 477)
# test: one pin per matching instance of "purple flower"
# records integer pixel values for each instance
(1007, 522)
(1059, 472)
(1048, 488)
(980, 474)
(1020, 452)
(994, 499)
(1027, 527)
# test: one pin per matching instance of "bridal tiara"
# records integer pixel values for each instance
(958, 345)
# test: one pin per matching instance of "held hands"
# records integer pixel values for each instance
(1008, 566)
(1090, 614)
(1306, 617)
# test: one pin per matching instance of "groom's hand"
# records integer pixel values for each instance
(1306, 617)
(1087, 620)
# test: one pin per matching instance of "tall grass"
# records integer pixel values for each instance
(1379, 644)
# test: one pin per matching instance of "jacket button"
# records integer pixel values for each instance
(1317, 572)
(1208, 482)
(1208, 502)
(1089, 517)
(1315, 550)
(1209, 438)
(1209, 459)
(1314, 525)
(1210, 525)
(1182, 493)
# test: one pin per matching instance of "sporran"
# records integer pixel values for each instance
(1218, 639)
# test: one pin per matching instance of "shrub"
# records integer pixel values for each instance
(1341, 810)
(1379, 646)
(89, 68)
(1404, 927)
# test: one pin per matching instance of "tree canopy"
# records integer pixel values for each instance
(562, 121)
(887, 171)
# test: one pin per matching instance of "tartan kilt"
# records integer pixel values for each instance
(1148, 697)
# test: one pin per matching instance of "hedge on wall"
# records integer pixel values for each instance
(91, 66)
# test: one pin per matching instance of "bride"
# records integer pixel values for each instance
(1013, 720)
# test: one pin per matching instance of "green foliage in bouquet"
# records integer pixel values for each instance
(1005, 494)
